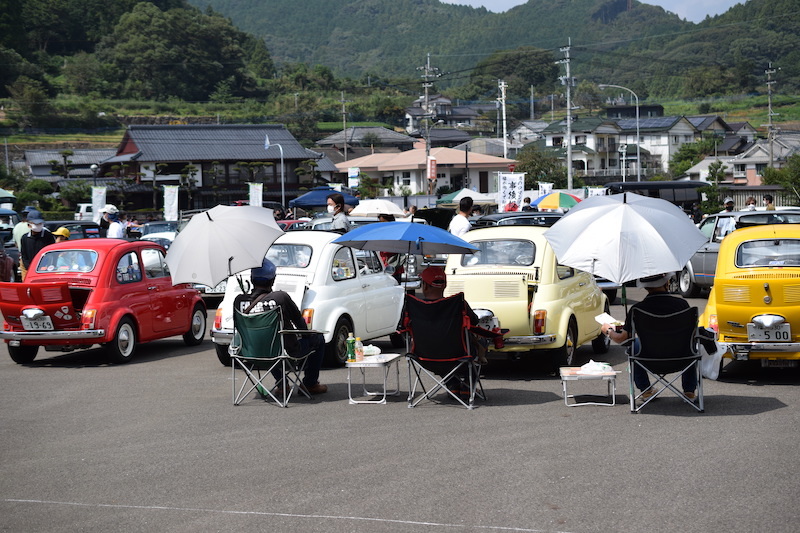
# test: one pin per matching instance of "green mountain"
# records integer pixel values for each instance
(645, 47)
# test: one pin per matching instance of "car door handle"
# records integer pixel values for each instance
(364, 285)
(152, 288)
(581, 284)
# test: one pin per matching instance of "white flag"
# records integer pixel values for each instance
(266, 142)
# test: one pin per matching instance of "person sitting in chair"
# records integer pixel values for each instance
(262, 298)
(659, 302)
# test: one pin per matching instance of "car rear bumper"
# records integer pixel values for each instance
(743, 350)
(52, 335)
(523, 343)
(221, 337)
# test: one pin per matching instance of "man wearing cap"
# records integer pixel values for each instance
(22, 226)
(37, 238)
(262, 298)
(115, 228)
(658, 302)
(726, 224)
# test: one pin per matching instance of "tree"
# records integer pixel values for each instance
(787, 177)
(689, 154)
(541, 166)
(521, 68)
(31, 103)
(75, 192)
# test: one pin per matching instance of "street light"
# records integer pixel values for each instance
(638, 138)
(94, 169)
(623, 153)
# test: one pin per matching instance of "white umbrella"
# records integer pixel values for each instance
(626, 236)
(373, 208)
(220, 242)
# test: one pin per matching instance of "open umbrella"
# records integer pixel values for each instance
(318, 197)
(452, 199)
(373, 208)
(400, 237)
(220, 242)
(556, 200)
(626, 236)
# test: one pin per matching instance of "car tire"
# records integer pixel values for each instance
(22, 355)
(397, 340)
(566, 355)
(222, 354)
(122, 348)
(336, 350)
(197, 327)
(686, 286)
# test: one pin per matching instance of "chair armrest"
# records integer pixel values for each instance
(302, 331)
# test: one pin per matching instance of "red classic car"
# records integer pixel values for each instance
(98, 291)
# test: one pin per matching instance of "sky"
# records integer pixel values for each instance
(693, 10)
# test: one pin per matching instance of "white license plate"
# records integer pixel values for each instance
(779, 363)
(43, 323)
(779, 333)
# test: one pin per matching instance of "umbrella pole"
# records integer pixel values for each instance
(625, 299)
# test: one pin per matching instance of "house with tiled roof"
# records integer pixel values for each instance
(368, 136)
(214, 163)
(749, 166)
(660, 137)
(455, 169)
(40, 164)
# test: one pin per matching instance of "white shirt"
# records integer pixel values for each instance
(459, 225)
(115, 231)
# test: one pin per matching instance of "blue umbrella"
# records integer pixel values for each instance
(318, 197)
(405, 237)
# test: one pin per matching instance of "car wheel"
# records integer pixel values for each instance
(336, 350)
(565, 356)
(222, 354)
(122, 348)
(398, 341)
(197, 327)
(22, 355)
(686, 286)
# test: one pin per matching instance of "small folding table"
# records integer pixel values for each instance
(384, 361)
(573, 373)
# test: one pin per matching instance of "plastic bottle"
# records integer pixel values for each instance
(359, 349)
(351, 348)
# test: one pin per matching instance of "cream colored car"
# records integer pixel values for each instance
(548, 308)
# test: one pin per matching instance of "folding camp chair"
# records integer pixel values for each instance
(257, 349)
(668, 344)
(438, 344)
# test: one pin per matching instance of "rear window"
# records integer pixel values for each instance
(772, 252)
(290, 255)
(67, 261)
(503, 252)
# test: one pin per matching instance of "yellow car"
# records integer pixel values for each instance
(754, 305)
(515, 282)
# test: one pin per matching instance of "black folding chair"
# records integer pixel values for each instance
(257, 349)
(439, 350)
(667, 344)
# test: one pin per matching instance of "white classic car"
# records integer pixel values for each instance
(515, 282)
(338, 289)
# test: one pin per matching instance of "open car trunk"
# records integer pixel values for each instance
(60, 306)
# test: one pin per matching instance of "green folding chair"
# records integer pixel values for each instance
(257, 349)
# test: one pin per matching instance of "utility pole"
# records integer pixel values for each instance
(428, 72)
(344, 124)
(503, 86)
(533, 113)
(568, 81)
(770, 134)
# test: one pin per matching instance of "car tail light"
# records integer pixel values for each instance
(308, 316)
(218, 319)
(713, 324)
(539, 318)
(87, 318)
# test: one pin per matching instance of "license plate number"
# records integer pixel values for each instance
(43, 323)
(779, 333)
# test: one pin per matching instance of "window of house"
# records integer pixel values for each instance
(760, 168)
(558, 141)
(676, 139)
(580, 139)
(406, 178)
(739, 167)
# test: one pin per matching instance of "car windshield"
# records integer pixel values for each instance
(290, 255)
(772, 252)
(159, 227)
(67, 261)
(502, 252)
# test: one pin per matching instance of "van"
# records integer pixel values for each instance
(683, 193)
(84, 212)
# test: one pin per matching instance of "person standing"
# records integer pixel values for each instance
(262, 298)
(750, 204)
(37, 238)
(460, 223)
(768, 202)
(22, 226)
(336, 209)
(116, 229)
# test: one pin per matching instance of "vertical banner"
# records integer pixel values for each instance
(98, 201)
(431, 172)
(545, 188)
(511, 187)
(171, 202)
(256, 194)
(352, 177)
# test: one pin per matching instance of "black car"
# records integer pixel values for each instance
(527, 218)
(78, 229)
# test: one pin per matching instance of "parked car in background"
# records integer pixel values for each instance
(699, 271)
(111, 292)
(515, 280)
(158, 226)
(754, 305)
(83, 212)
(338, 289)
(514, 218)
(292, 224)
(78, 229)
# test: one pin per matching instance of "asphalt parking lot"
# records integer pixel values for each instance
(156, 445)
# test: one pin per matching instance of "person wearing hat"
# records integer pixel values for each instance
(726, 224)
(262, 298)
(104, 223)
(61, 234)
(115, 229)
(37, 238)
(728, 203)
(658, 302)
(22, 226)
